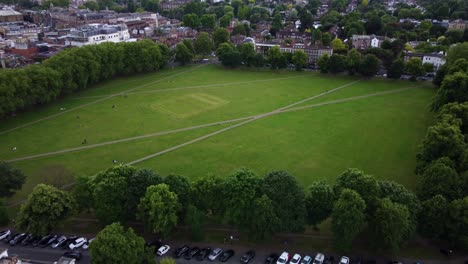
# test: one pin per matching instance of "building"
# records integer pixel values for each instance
(367, 41)
(97, 34)
(436, 59)
(10, 15)
(20, 29)
(313, 52)
(458, 24)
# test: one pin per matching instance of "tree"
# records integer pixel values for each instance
(353, 60)
(317, 36)
(131, 248)
(11, 180)
(348, 219)
(396, 69)
(191, 20)
(275, 58)
(208, 21)
(45, 208)
(276, 25)
(336, 63)
(194, 219)
(180, 185)
(203, 44)
(319, 202)
(392, 224)
(83, 193)
(4, 219)
(247, 53)
(439, 178)
(326, 39)
(323, 63)
(258, 60)
(433, 217)
(338, 45)
(299, 59)
(457, 223)
(369, 65)
(91, 5)
(264, 221)
(183, 54)
(158, 209)
(456, 52)
(288, 198)
(136, 188)
(414, 67)
(238, 29)
(231, 59)
(189, 44)
(454, 88)
(207, 193)
(221, 35)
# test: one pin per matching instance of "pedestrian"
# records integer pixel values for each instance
(13, 148)
(113, 106)
(114, 161)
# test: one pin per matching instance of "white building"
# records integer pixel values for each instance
(435, 59)
(97, 34)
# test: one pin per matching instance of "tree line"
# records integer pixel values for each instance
(76, 69)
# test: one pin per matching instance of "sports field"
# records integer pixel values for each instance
(206, 119)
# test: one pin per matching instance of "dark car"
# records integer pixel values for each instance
(356, 260)
(272, 258)
(181, 251)
(72, 254)
(50, 241)
(203, 254)
(329, 260)
(17, 239)
(192, 252)
(156, 244)
(248, 256)
(28, 240)
(59, 242)
(41, 241)
(67, 242)
(10, 237)
(226, 255)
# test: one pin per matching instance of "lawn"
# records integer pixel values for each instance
(378, 134)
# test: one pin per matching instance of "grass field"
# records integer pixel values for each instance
(340, 129)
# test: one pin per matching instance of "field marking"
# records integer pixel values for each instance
(201, 86)
(205, 125)
(94, 102)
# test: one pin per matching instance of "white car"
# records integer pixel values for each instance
(163, 250)
(4, 234)
(283, 259)
(319, 258)
(77, 243)
(295, 259)
(344, 260)
(86, 244)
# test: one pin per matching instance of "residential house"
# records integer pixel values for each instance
(367, 41)
(458, 24)
(436, 59)
(96, 34)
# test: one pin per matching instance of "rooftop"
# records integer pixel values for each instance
(9, 12)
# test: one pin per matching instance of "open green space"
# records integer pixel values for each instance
(378, 134)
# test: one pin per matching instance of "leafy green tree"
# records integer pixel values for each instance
(136, 188)
(83, 193)
(91, 5)
(457, 223)
(4, 219)
(433, 217)
(456, 111)
(369, 65)
(348, 219)
(323, 63)
(275, 58)
(11, 179)
(194, 219)
(317, 36)
(221, 35)
(396, 69)
(226, 20)
(456, 52)
(207, 193)
(392, 224)
(247, 53)
(336, 63)
(288, 198)
(158, 209)
(131, 247)
(353, 60)
(259, 60)
(326, 39)
(415, 67)
(299, 59)
(208, 21)
(203, 44)
(231, 59)
(181, 186)
(264, 220)
(338, 45)
(319, 202)
(45, 208)
(439, 178)
(189, 44)
(276, 25)
(460, 65)
(183, 54)
(454, 89)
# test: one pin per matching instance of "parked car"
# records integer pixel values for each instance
(319, 258)
(306, 260)
(271, 259)
(4, 234)
(329, 260)
(215, 254)
(67, 242)
(344, 260)
(181, 251)
(50, 241)
(17, 239)
(163, 250)
(10, 237)
(77, 243)
(86, 244)
(356, 260)
(226, 255)
(283, 258)
(192, 252)
(203, 253)
(28, 240)
(295, 259)
(59, 241)
(41, 241)
(248, 256)
(72, 254)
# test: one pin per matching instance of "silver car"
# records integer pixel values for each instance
(215, 254)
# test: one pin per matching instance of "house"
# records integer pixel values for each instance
(458, 24)
(367, 41)
(313, 51)
(436, 59)
(10, 15)
(96, 34)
